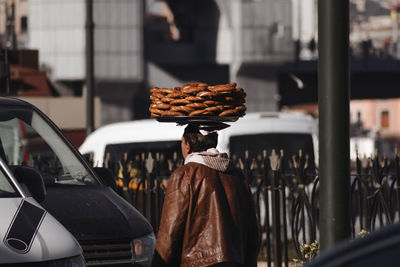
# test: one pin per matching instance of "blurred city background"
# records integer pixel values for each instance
(269, 47)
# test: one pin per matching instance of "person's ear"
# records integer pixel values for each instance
(188, 149)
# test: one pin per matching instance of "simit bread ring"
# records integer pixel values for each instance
(196, 105)
(215, 108)
(195, 84)
(176, 94)
(218, 89)
(166, 91)
(200, 112)
(202, 84)
(194, 98)
(225, 93)
(156, 111)
(183, 109)
(179, 102)
(229, 106)
(158, 95)
(206, 94)
(229, 112)
(208, 113)
(153, 98)
(189, 84)
(172, 113)
(239, 90)
(167, 99)
(154, 89)
(230, 84)
(240, 108)
(192, 90)
(196, 112)
(210, 103)
(229, 99)
(163, 106)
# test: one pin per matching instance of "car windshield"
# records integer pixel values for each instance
(27, 139)
(6, 187)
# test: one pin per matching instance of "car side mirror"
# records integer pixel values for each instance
(106, 176)
(33, 180)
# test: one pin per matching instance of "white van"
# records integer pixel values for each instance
(141, 136)
(29, 234)
(254, 132)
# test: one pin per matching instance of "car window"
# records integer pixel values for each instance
(6, 188)
(27, 139)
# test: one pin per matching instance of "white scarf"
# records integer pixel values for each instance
(211, 158)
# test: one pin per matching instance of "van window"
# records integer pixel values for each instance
(6, 188)
(255, 144)
(27, 139)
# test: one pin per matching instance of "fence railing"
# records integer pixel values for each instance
(285, 191)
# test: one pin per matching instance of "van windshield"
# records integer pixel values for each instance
(27, 139)
(255, 144)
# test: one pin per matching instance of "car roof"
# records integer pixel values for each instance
(13, 102)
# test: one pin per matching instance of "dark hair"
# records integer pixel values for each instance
(197, 141)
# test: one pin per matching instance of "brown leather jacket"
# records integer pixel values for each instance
(208, 217)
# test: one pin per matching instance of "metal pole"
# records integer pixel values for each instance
(12, 27)
(8, 45)
(89, 67)
(395, 31)
(7, 71)
(333, 105)
(144, 50)
(276, 218)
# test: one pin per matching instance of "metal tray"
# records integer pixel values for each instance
(203, 119)
(209, 123)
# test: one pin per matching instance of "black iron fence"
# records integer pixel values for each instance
(285, 191)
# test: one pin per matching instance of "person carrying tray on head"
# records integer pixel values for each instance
(208, 217)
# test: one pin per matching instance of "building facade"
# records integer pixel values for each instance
(57, 30)
(174, 42)
(14, 23)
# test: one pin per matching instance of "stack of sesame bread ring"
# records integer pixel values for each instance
(198, 99)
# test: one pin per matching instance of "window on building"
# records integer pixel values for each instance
(24, 24)
(385, 119)
(358, 116)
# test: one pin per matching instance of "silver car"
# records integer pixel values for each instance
(29, 234)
